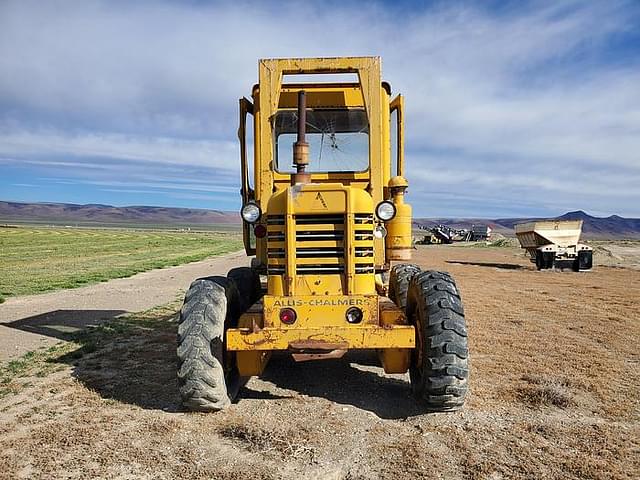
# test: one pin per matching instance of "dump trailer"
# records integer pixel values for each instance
(326, 222)
(555, 244)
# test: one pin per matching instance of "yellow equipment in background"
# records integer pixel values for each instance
(324, 214)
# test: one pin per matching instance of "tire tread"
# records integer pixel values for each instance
(201, 377)
(442, 380)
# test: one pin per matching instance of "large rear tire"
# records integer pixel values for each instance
(399, 279)
(208, 378)
(247, 281)
(439, 366)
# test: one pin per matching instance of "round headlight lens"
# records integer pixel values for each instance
(250, 212)
(385, 211)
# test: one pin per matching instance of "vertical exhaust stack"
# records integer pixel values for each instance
(301, 147)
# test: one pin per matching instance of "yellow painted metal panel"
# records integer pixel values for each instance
(398, 241)
(319, 309)
(251, 362)
(395, 360)
(320, 96)
(361, 337)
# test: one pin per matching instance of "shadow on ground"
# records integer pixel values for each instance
(504, 266)
(63, 324)
(350, 380)
(136, 364)
(129, 360)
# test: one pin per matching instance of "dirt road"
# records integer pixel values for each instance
(33, 321)
(555, 389)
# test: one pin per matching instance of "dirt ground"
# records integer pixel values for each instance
(555, 389)
(34, 321)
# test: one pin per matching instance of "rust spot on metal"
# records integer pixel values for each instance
(312, 344)
(261, 341)
(304, 357)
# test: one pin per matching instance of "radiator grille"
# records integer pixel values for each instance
(320, 244)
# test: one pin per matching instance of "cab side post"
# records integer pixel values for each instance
(247, 193)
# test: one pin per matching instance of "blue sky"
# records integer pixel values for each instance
(513, 108)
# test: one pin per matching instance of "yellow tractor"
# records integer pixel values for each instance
(324, 215)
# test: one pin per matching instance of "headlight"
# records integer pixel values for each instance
(250, 212)
(385, 211)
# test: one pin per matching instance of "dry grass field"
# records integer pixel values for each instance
(555, 393)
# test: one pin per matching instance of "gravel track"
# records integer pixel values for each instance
(34, 321)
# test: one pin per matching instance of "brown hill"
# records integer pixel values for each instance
(59, 213)
(613, 227)
(65, 213)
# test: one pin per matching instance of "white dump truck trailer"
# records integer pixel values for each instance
(555, 244)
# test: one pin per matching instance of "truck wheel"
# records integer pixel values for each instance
(399, 279)
(544, 260)
(584, 260)
(208, 378)
(539, 264)
(549, 259)
(439, 365)
(247, 281)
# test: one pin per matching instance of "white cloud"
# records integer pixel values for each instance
(127, 147)
(523, 99)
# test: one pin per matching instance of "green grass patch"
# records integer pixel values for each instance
(15, 373)
(34, 260)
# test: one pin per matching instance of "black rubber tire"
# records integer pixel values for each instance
(207, 375)
(544, 260)
(585, 260)
(247, 282)
(399, 279)
(440, 362)
(549, 259)
(539, 260)
(575, 266)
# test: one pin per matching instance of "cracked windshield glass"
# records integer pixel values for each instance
(338, 140)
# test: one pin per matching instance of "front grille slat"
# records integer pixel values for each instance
(320, 235)
(319, 220)
(327, 228)
(322, 239)
(318, 252)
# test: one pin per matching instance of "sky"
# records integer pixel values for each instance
(512, 108)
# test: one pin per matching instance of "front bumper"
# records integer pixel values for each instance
(321, 338)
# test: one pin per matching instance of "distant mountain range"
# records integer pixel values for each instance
(592, 227)
(71, 214)
(66, 213)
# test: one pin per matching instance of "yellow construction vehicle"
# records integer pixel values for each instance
(324, 215)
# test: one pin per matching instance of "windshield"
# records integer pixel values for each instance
(338, 140)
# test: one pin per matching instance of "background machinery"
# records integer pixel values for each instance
(324, 230)
(555, 244)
